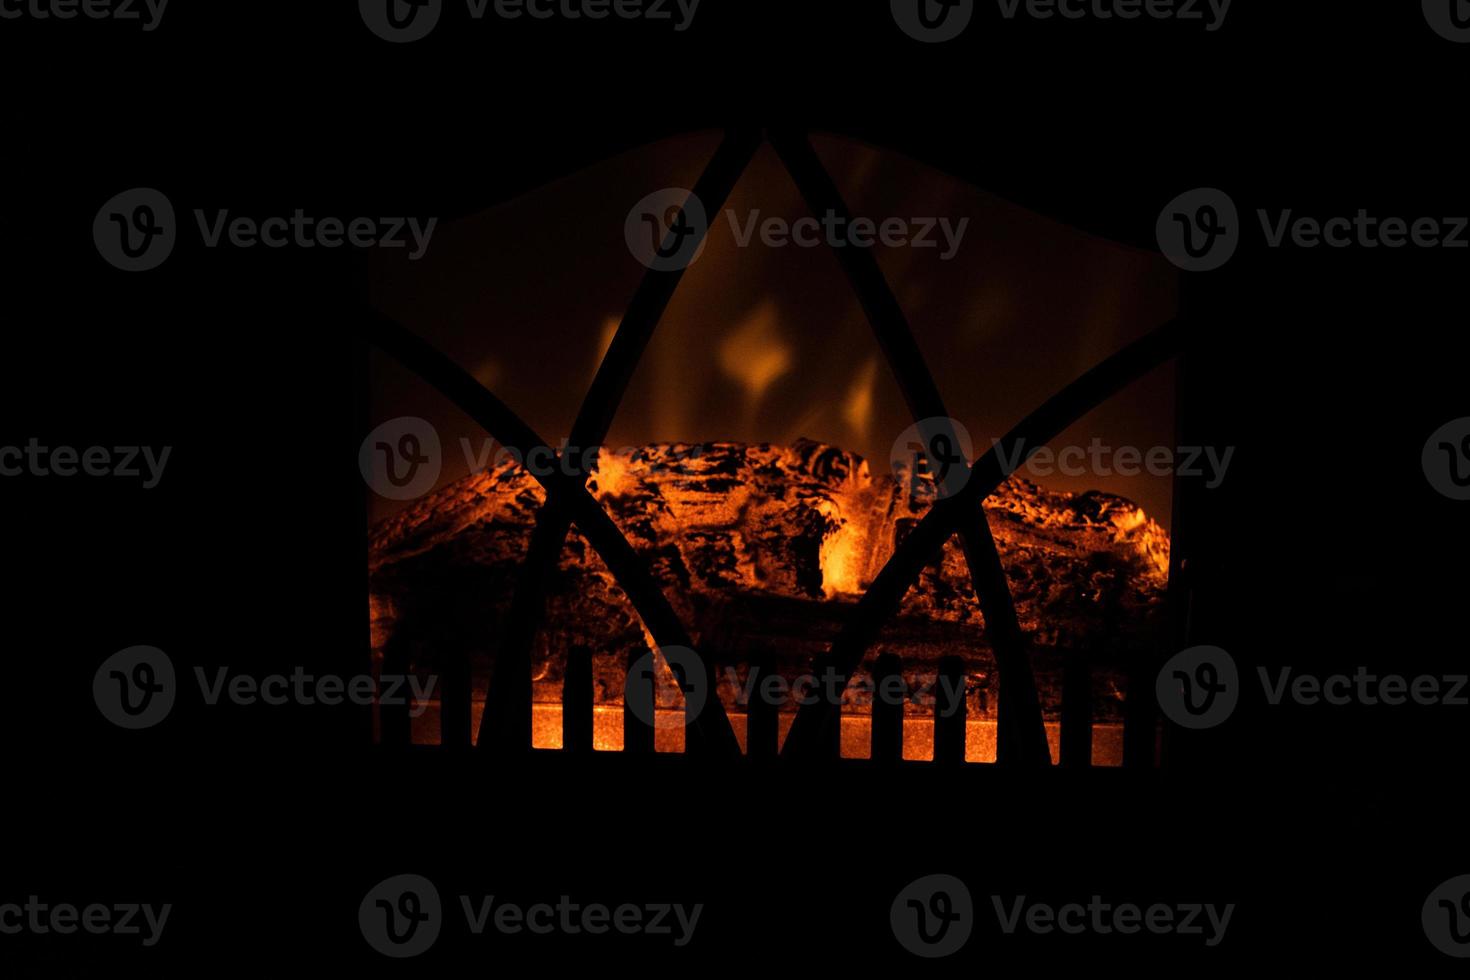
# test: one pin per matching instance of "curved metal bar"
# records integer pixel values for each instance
(711, 725)
(507, 717)
(1022, 735)
(947, 516)
(568, 501)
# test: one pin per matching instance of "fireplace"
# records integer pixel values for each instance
(754, 517)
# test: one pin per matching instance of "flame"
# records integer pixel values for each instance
(610, 326)
(857, 410)
(612, 473)
(754, 353)
(841, 555)
(490, 373)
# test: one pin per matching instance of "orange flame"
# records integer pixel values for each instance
(755, 355)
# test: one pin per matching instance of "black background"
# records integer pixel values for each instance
(1325, 549)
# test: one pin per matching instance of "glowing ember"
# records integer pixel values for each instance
(764, 549)
(918, 734)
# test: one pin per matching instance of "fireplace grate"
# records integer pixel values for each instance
(1021, 740)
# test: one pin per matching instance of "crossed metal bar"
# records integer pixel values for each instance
(506, 723)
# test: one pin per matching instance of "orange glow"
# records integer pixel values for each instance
(782, 531)
(604, 341)
(843, 559)
(918, 733)
(755, 355)
(857, 410)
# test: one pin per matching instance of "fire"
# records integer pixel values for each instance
(755, 355)
(842, 555)
(857, 410)
(754, 545)
(918, 734)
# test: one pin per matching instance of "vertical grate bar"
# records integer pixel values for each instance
(762, 716)
(950, 712)
(639, 703)
(576, 702)
(1076, 737)
(890, 693)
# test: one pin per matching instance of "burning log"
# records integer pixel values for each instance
(762, 550)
